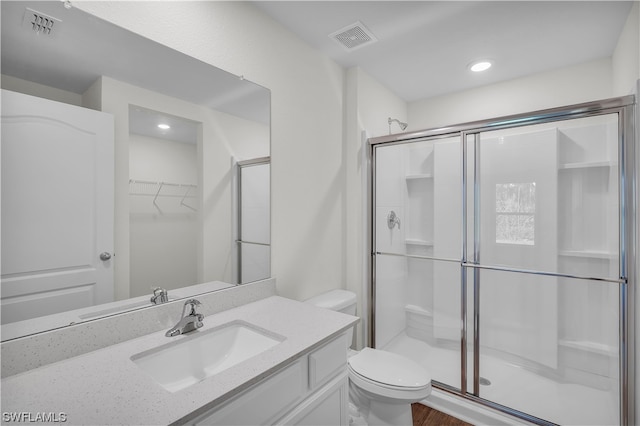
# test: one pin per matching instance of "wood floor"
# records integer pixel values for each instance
(426, 416)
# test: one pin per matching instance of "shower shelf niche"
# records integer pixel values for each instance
(592, 254)
(419, 212)
(587, 199)
(587, 165)
(417, 172)
(418, 242)
(419, 176)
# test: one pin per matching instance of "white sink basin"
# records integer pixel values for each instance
(190, 360)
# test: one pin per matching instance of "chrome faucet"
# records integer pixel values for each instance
(160, 295)
(189, 321)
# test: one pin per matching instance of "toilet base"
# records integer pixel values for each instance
(377, 412)
(381, 413)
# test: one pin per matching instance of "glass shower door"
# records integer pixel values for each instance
(505, 264)
(418, 252)
(544, 269)
(253, 237)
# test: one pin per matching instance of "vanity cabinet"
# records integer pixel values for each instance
(310, 390)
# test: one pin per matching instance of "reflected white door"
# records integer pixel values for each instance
(57, 207)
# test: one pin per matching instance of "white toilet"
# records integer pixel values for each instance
(382, 385)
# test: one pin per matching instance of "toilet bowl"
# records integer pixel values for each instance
(382, 385)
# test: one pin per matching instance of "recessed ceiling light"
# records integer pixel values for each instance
(163, 126)
(480, 66)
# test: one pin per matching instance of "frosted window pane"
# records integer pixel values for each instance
(516, 197)
(515, 213)
(515, 229)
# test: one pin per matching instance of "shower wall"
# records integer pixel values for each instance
(540, 198)
(390, 197)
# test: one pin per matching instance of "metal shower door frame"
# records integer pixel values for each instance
(628, 230)
(238, 166)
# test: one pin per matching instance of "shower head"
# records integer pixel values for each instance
(400, 123)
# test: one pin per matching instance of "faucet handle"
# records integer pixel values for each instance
(159, 294)
(192, 303)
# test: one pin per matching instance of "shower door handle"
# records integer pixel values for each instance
(104, 256)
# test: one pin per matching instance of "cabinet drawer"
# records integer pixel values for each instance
(327, 361)
(265, 402)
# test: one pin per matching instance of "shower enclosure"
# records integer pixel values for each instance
(252, 235)
(503, 255)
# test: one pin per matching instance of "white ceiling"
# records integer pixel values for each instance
(145, 122)
(82, 48)
(424, 47)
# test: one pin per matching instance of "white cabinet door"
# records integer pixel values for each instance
(312, 390)
(265, 402)
(57, 207)
(328, 406)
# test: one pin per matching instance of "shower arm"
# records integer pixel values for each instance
(402, 125)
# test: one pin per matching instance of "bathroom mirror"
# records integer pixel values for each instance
(175, 197)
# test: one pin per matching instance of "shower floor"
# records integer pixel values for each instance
(516, 387)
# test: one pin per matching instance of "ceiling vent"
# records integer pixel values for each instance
(353, 36)
(39, 22)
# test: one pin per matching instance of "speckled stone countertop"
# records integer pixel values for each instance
(106, 387)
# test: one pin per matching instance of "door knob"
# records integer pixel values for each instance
(105, 256)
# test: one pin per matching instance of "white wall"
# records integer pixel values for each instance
(34, 89)
(626, 57)
(317, 208)
(367, 108)
(307, 107)
(375, 104)
(565, 86)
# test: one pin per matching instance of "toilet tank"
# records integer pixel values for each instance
(337, 300)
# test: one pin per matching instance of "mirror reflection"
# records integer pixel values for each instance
(163, 200)
(122, 171)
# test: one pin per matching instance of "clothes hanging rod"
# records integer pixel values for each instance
(148, 182)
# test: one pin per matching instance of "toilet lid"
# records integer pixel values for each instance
(389, 368)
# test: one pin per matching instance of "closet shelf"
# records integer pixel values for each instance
(145, 188)
(586, 165)
(161, 189)
(591, 254)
